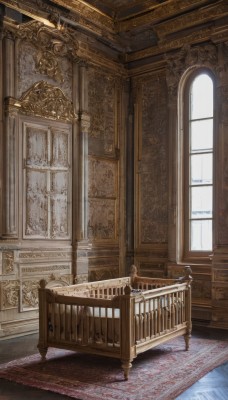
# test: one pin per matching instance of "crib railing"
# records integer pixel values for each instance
(84, 321)
(160, 312)
(106, 289)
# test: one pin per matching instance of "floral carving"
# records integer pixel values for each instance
(61, 43)
(48, 65)
(44, 100)
(8, 262)
(30, 294)
(10, 294)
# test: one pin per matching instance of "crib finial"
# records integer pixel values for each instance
(187, 275)
(133, 273)
(43, 283)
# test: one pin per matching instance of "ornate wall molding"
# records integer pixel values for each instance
(61, 43)
(178, 63)
(43, 100)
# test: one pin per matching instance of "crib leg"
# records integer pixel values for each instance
(187, 338)
(43, 351)
(126, 365)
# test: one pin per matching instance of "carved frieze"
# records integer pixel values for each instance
(9, 294)
(36, 255)
(53, 270)
(185, 21)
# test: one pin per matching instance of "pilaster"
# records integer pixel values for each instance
(10, 145)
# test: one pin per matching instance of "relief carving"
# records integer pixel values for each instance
(48, 65)
(59, 204)
(62, 43)
(7, 262)
(102, 111)
(30, 294)
(47, 101)
(47, 170)
(29, 71)
(10, 290)
(36, 146)
(36, 204)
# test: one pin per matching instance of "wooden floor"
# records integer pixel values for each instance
(213, 386)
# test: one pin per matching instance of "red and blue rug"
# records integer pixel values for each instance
(162, 373)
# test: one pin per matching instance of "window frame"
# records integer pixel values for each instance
(188, 254)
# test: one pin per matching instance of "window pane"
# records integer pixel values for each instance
(201, 169)
(201, 97)
(201, 235)
(201, 202)
(201, 135)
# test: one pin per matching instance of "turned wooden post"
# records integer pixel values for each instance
(188, 300)
(43, 323)
(126, 331)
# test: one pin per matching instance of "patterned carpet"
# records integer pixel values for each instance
(161, 373)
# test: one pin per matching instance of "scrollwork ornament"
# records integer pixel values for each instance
(48, 65)
(46, 101)
(51, 44)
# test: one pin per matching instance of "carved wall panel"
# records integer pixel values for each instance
(153, 162)
(102, 219)
(97, 274)
(7, 262)
(103, 199)
(151, 269)
(102, 108)
(103, 173)
(223, 193)
(47, 177)
(30, 276)
(9, 294)
(102, 178)
(35, 64)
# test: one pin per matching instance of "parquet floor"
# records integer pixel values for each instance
(213, 386)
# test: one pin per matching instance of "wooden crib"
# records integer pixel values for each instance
(116, 318)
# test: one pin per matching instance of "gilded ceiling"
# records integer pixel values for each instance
(133, 28)
(120, 9)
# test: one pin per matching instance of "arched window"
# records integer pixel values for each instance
(198, 164)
